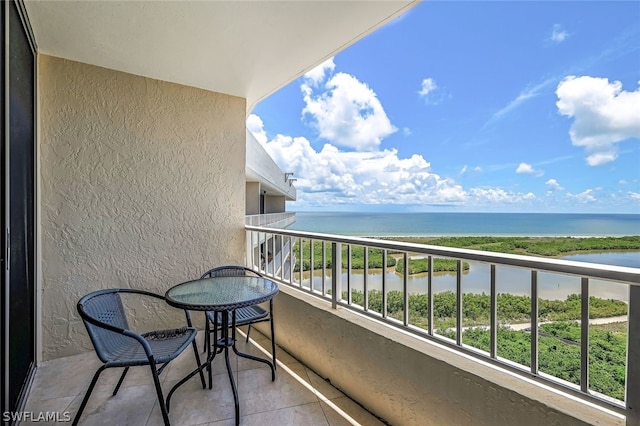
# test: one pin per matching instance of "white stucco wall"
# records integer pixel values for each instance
(143, 185)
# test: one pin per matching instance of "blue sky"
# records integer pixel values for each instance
(469, 106)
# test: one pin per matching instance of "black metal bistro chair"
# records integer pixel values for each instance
(116, 345)
(244, 316)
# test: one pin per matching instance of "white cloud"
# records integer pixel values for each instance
(622, 182)
(499, 195)
(428, 86)
(553, 185)
(603, 113)
(464, 170)
(634, 196)
(317, 75)
(330, 177)
(477, 169)
(348, 113)
(558, 34)
(528, 169)
(256, 126)
(586, 196)
(526, 94)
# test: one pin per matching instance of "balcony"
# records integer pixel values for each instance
(341, 361)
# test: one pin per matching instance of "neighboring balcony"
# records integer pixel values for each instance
(273, 220)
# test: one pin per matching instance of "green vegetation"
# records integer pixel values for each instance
(476, 308)
(535, 246)
(357, 257)
(418, 266)
(559, 352)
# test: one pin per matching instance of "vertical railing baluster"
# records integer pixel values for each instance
(282, 246)
(430, 294)
(384, 284)
(494, 314)
(261, 244)
(324, 266)
(291, 257)
(405, 289)
(273, 255)
(534, 322)
(459, 302)
(632, 399)
(365, 278)
(336, 274)
(301, 268)
(311, 263)
(584, 336)
(253, 253)
(349, 299)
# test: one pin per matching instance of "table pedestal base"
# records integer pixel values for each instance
(222, 345)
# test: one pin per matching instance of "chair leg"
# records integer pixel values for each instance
(195, 352)
(207, 337)
(248, 333)
(124, 373)
(156, 381)
(273, 335)
(86, 395)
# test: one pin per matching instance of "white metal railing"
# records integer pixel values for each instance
(337, 285)
(274, 219)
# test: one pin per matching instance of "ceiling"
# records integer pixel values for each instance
(248, 49)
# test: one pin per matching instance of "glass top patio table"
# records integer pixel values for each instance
(221, 293)
(224, 295)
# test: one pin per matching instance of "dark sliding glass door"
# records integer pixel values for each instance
(18, 202)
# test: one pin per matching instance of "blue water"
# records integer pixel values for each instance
(551, 286)
(450, 224)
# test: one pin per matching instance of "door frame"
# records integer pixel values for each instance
(5, 110)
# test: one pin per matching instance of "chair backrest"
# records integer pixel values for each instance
(104, 317)
(230, 271)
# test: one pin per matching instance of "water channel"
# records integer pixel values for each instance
(512, 280)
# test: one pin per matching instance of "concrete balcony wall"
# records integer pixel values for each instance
(141, 181)
(262, 168)
(409, 381)
(274, 204)
(252, 198)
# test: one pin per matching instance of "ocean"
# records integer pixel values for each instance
(552, 286)
(467, 224)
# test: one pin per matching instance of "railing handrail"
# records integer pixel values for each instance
(625, 274)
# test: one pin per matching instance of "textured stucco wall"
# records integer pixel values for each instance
(410, 382)
(143, 185)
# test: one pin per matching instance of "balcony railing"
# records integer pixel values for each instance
(271, 219)
(328, 273)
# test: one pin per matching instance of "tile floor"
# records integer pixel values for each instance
(297, 397)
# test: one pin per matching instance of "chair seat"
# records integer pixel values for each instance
(166, 345)
(244, 315)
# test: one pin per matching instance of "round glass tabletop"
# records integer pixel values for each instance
(221, 293)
